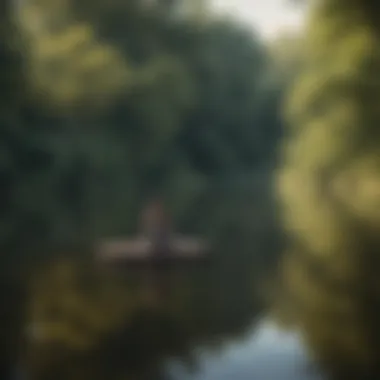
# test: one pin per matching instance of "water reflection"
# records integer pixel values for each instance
(91, 323)
(265, 353)
(97, 323)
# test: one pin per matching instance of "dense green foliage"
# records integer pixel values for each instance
(194, 109)
(104, 104)
(329, 187)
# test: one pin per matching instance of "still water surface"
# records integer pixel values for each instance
(266, 353)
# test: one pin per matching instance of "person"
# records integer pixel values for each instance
(155, 225)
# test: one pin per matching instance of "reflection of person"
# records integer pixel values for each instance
(155, 226)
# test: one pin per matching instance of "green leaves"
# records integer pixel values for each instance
(72, 70)
(329, 157)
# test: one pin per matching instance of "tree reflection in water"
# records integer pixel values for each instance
(96, 324)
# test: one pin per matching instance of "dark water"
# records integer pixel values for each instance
(87, 323)
(128, 325)
(265, 353)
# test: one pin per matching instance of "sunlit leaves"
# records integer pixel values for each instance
(68, 66)
(330, 188)
(72, 68)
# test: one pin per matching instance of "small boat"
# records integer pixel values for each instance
(142, 249)
(156, 243)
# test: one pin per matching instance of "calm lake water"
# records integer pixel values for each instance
(266, 353)
(209, 328)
